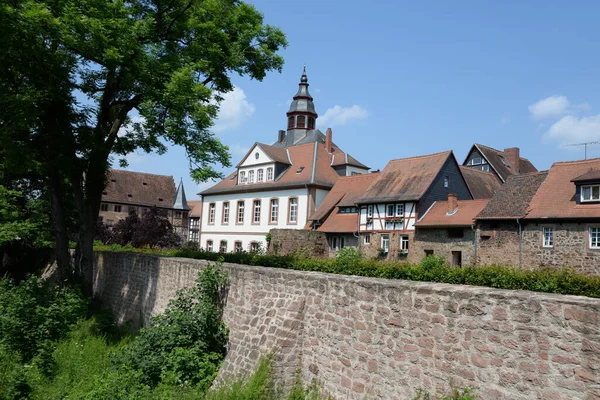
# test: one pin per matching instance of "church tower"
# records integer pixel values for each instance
(302, 115)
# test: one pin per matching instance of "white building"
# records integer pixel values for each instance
(275, 186)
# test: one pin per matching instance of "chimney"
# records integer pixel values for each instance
(452, 203)
(513, 157)
(281, 136)
(328, 140)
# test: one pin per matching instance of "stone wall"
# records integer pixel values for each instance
(498, 243)
(371, 249)
(437, 240)
(381, 339)
(298, 241)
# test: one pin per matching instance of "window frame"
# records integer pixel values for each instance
(209, 245)
(212, 212)
(387, 210)
(221, 250)
(243, 178)
(236, 248)
(404, 239)
(385, 243)
(370, 211)
(591, 188)
(297, 208)
(225, 213)
(103, 206)
(591, 237)
(240, 211)
(271, 220)
(251, 176)
(260, 174)
(367, 238)
(269, 174)
(255, 220)
(117, 208)
(545, 243)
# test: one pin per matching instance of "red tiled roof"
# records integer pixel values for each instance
(512, 199)
(556, 196)
(500, 163)
(314, 159)
(128, 187)
(277, 154)
(340, 223)
(341, 158)
(481, 184)
(591, 175)
(438, 216)
(196, 206)
(346, 191)
(406, 178)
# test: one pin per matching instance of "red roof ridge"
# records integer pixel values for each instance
(138, 173)
(577, 161)
(423, 156)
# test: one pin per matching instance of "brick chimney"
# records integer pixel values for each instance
(452, 202)
(328, 140)
(513, 157)
(281, 136)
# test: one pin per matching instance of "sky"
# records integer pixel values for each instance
(397, 79)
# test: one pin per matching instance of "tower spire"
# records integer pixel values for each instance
(302, 114)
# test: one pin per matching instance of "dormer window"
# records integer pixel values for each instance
(250, 176)
(242, 177)
(259, 175)
(590, 193)
(270, 173)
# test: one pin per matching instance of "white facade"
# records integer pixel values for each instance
(223, 220)
(393, 216)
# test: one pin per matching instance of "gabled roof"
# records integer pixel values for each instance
(500, 163)
(277, 154)
(128, 187)
(406, 178)
(513, 198)
(310, 165)
(556, 196)
(346, 191)
(341, 158)
(592, 175)
(196, 206)
(464, 215)
(481, 184)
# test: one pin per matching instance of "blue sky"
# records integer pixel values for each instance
(399, 79)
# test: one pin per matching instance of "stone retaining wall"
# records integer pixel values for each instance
(381, 339)
(299, 242)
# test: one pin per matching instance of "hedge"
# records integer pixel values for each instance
(431, 269)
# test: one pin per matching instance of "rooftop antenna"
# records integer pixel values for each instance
(584, 144)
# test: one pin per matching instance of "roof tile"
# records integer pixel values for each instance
(481, 184)
(438, 215)
(139, 188)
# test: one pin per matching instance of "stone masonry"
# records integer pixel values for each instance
(300, 242)
(439, 241)
(365, 338)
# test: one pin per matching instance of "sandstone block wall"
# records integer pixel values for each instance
(297, 241)
(365, 338)
(443, 245)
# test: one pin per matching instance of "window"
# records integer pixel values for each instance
(225, 213)
(475, 161)
(594, 238)
(209, 245)
(293, 211)
(336, 242)
(117, 208)
(178, 214)
(256, 212)
(259, 175)
(211, 213)
(243, 177)
(103, 207)
(256, 155)
(390, 210)
(446, 181)
(194, 236)
(109, 222)
(403, 242)
(347, 210)
(254, 246)
(240, 212)
(223, 246)
(250, 176)
(370, 211)
(274, 211)
(291, 122)
(548, 236)
(367, 239)
(238, 247)
(385, 243)
(485, 168)
(457, 258)
(301, 121)
(399, 210)
(456, 233)
(590, 193)
(311, 123)
(428, 253)
(270, 173)
(389, 225)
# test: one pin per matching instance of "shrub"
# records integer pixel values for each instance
(455, 394)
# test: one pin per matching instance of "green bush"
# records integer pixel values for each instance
(431, 269)
(455, 394)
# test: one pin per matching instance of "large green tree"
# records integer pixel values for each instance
(91, 80)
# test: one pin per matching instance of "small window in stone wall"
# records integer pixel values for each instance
(456, 233)
(367, 238)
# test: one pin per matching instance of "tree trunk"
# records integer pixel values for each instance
(63, 258)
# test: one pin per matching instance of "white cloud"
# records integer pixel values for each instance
(571, 129)
(233, 110)
(338, 115)
(553, 106)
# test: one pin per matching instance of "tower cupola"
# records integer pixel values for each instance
(302, 115)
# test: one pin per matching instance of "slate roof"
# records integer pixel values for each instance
(405, 179)
(196, 206)
(481, 184)
(300, 136)
(180, 199)
(438, 215)
(500, 163)
(346, 191)
(317, 171)
(513, 198)
(138, 188)
(556, 196)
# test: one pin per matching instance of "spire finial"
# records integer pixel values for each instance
(304, 79)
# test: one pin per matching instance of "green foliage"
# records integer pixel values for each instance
(23, 220)
(348, 257)
(431, 269)
(33, 315)
(455, 394)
